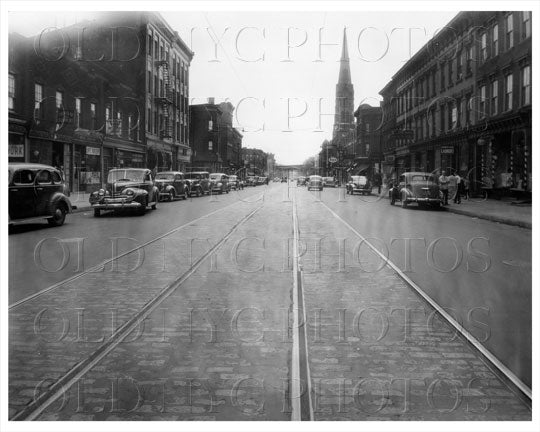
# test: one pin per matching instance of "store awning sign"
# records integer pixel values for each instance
(447, 150)
(94, 151)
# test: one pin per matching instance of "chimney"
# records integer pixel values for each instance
(211, 100)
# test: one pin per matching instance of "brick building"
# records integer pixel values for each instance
(368, 140)
(463, 103)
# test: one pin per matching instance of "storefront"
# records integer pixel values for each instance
(17, 143)
(129, 159)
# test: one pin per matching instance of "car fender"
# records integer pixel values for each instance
(59, 197)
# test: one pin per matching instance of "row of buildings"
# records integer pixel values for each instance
(462, 103)
(114, 92)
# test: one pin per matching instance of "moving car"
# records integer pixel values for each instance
(330, 182)
(300, 181)
(172, 184)
(261, 180)
(199, 182)
(219, 183)
(419, 187)
(359, 184)
(127, 188)
(235, 183)
(37, 191)
(251, 181)
(315, 182)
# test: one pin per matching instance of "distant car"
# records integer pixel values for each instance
(315, 182)
(251, 181)
(235, 183)
(172, 185)
(300, 181)
(330, 182)
(359, 184)
(127, 188)
(283, 179)
(37, 191)
(199, 182)
(416, 187)
(219, 183)
(262, 180)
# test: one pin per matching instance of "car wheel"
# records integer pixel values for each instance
(403, 201)
(171, 195)
(97, 212)
(59, 215)
(186, 193)
(142, 208)
(154, 206)
(392, 201)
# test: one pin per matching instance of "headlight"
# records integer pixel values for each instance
(101, 192)
(220, 184)
(130, 192)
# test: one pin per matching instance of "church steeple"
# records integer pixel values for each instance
(344, 112)
(344, 68)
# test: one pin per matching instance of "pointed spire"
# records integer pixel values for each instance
(344, 69)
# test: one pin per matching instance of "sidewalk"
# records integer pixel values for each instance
(507, 211)
(79, 201)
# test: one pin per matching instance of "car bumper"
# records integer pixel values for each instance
(423, 200)
(116, 205)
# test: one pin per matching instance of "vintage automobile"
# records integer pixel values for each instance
(37, 192)
(359, 184)
(199, 182)
(416, 187)
(330, 182)
(219, 183)
(235, 183)
(261, 180)
(251, 181)
(301, 181)
(172, 184)
(315, 182)
(126, 189)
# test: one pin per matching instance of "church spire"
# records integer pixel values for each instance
(344, 68)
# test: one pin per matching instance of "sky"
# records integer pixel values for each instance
(280, 69)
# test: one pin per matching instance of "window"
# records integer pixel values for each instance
(24, 177)
(482, 105)
(38, 101)
(469, 59)
(44, 177)
(442, 77)
(450, 70)
(108, 125)
(210, 145)
(483, 47)
(459, 68)
(494, 97)
(210, 125)
(59, 99)
(495, 40)
(509, 31)
(526, 85)
(508, 92)
(442, 118)
(78, 113)
(526, 24)
(11, 92)
(93, 115)
(56, 177)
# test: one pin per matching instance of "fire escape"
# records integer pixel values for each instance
(165, 100)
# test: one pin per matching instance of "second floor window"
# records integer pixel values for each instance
(483, 47)
(11, 92)
(509, 31)
(59, 99)
(38, 101)
(210, 125)
(210, 145)
(526, 24)
(526, 85)
(495, 40)
(494, 96)
(78, 112)
(508, 92)
(93, 115)
(469, 59)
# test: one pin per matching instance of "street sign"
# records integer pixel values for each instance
(332, 159)
(447, 150)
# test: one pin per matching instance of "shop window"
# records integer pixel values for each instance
(495, 40)
(509, 31)
(508, 92)
(526, 85)
(11, 92)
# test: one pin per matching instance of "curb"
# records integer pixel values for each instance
(491, 218)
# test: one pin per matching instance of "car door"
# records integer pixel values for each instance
(22, 196)
(148, 185)
(45, 189)
(179, 183)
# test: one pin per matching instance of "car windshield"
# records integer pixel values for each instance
(165, 176)
(232, 178)
(193, 176)
(215, 177)
(422, 178)
(315, 178)
(358, 179)
(125, 175)
(328, 179)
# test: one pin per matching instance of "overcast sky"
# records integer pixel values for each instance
(280, 69)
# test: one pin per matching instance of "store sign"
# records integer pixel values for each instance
(447, 150)
(94, 151)
(16, 150)
(332, 159)
(389, 158)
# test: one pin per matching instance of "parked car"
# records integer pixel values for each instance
(219, 183)
(171, 185)
(283, 179)
(301, 181)
(359, 184)
(199, 182)
(419, 187)
(127, 188)
(330, 182)
(235, 183)
(251, 181)
(37, 191)
(261, 180)
(315, 182)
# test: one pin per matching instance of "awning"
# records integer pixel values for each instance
(361, 167)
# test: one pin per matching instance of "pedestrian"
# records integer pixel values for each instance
(465, 187)
(459, 189)
(452, 185)
(443, 183)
